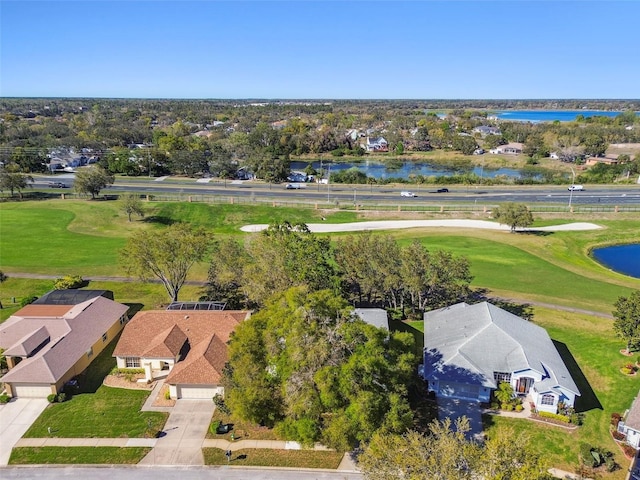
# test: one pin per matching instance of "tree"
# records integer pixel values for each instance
(446, 454)
(166, 255)
(68, 281)
(13, 180)
(3, 278)
(92, 180)
(504, 393)
(130, 204)
(513, 214)
(306, 365)
(627, 319)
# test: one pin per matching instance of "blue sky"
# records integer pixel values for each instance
(329, 49)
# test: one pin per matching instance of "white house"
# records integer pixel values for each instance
(470, 349)
(378, 144)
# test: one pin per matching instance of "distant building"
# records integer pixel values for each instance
(378, 144)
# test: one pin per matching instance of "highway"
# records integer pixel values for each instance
(604, 195)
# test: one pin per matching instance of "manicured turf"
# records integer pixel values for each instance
(274, 458)
(77, 455)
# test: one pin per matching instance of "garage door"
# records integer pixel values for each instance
(31, 390)
(195, 391)
(459, 390)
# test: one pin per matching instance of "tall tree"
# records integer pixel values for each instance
(92, 180)
(166, 255)
(513, 214)
(627, 319)
(131, 204)
(13, 180)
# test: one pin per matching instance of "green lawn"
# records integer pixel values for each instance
(274, 458)
(77, 455)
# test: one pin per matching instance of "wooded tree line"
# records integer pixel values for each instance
(368, 269)
(263, 137)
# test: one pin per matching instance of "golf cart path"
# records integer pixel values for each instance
(396, 224)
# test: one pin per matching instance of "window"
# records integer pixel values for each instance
(132, 362)
(501, 377)
(104, 337)
(548, 400)
(90, 352)
(123, 319)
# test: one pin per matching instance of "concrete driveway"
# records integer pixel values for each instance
(455, 408)
(15, 419)
(183, 435)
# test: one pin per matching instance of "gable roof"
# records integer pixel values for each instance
(472, 342)
(162, 333)
(70, 335)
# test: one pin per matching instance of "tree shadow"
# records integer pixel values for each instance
(522, 310)
(587, 399)
(159, 219)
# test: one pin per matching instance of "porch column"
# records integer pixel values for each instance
(147, 372)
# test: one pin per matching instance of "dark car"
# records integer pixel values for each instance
(442, 190)
(57, 185)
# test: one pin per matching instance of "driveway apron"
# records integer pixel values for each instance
(180, 443)
(15, 419)
(454, 408)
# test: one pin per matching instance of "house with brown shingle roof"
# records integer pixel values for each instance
(46, 345)
(189, 346)
(630, 426)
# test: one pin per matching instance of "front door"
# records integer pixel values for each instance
(523, 385)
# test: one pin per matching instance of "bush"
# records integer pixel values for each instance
(52, 398)
(554, 416)
(575, 419)
(62, 397)
(4, 398)
(626, 370)
(68, 281)
(519, 408)
(214, 427)
(615, 419)
(126, 371)
(27, 300)
(167, 395)
(585, 455)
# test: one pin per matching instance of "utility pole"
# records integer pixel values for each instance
(573, 181)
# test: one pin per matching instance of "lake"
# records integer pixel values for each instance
(405, 169)
(620, 258)
(551, 115)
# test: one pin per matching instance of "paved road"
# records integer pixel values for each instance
(183, 473)
(603, 195)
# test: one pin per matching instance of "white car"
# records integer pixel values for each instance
(293, 186)
(575, 188)
(407, 194)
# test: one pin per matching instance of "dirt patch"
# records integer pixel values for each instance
(130, 382)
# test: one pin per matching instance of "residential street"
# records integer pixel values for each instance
(183, 473)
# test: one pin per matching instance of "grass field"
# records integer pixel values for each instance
(77, 455)
(274, 458)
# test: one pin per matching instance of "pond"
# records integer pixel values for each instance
(620, 258)
(406, 169)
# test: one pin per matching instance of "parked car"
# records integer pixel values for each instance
(407, 194)
(575, 188)
(293, 186)
(57, 185)
(442, 190)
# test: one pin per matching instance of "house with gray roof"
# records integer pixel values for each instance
(630, 426)
(47, 344)
(470, 349)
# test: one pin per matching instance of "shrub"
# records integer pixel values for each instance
(554, 416)
(62, 397)
(220, 404)
(68, 281)
(610, 463)
(126, 371)
(626, 370)
(615, 419)
(4, 398)
(27, 300)
(214, 427)
(167, 395)
(519, 408)
(618, 435)
(52, 398)
(585, 454)
(575, 418)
